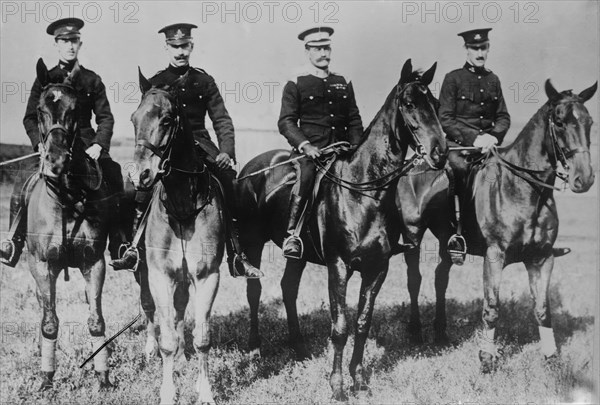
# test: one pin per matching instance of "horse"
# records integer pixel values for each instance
(185, 225)
(355, 219)
(514, 217)
(67, 220)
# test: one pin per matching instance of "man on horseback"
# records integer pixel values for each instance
(473, 114)
(200, 96)
(318, 108)
(91, 99)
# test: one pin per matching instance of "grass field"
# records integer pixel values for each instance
(400, 373)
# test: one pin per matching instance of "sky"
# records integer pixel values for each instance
(251, 49)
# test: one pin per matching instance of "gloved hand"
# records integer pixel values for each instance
(94, 151)
(485, 142)
(311, 151)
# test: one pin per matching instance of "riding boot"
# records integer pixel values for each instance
(120, 219)
(293, 248)
(12, 247)
(238, 263)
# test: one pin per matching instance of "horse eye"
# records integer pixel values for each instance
(410, 106)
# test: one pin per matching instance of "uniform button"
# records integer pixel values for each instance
(479, 77)
(481, 117)
(482, 103)
(345, 96)
(331, 115)
(481, 90)
(183, 89)
(332, 127)
(184, 104)
(199, 96)
(311, 97)
(324, 80)
(481, 130)
(328, 91)
(331, 102)
(463, 97)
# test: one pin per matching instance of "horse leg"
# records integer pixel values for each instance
(290, 282)
(369, 288)
(414, 285)
(163, 288)
(492, 276)
(181, 298)
(141, 276)
(253, 292)
(338, 283)
(94, 281)
(442, 272)
(539, 282)
(206, 286)
(45, 278)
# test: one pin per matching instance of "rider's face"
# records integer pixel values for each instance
(68, 48)
(477, 54)
(179, 55)
(319, 56)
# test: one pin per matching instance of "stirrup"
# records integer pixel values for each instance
(457, 249)
(293, 239)
(13, 248)
(123, 249)
(240, 266)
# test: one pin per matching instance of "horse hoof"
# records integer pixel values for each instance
(105, 383)
(339, 396)
(415, 336)
(441, 339)
(488, 362)
(47, 378)
(301, 353)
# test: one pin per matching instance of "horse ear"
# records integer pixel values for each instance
(72, 78)
(588, 93)
(145, 85)
(551, 92)
(427, 77)
(42, 72)
(406, 71)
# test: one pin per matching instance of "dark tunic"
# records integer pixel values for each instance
(91, 97)
(320, 110)
(199, 96)
(471, 103)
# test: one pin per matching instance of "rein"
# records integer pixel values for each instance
(560, 156)
(386, 179)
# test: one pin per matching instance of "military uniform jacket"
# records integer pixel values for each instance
(319, 110)
(91, 97)
(198, 96)
(471, 103)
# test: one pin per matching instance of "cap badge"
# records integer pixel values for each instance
(477, 36)
(178, 34)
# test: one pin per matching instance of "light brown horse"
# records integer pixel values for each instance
(355, 222)
(185, 232)
(67, 223)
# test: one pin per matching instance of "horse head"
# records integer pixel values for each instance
(418, 110)
(570, 124)
(156, 122)
(57, 118)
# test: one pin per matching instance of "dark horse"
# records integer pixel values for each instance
(67, 221)
(355, 222)
(514, 217)
(185, 225)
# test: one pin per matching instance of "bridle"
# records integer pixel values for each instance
(165, 167)
(56, 126)
(560, 155)
(388, 178)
